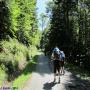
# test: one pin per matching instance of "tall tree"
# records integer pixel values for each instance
(69, 28)
(4, 20)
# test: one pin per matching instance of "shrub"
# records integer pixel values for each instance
(13, 56)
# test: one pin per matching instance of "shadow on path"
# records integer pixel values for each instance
(75, 83)
(48, 86)
(43, 74)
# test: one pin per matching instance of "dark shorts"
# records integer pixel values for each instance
(61, 63)
(56, 65)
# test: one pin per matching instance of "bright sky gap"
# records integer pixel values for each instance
(41, 8)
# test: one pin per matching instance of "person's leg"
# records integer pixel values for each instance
(54, 77)
(60, 66)
(63, 70)
(63, 67)
(58, 69)
(54, 71)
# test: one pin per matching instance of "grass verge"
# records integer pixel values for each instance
(2, 76)
(19, 82)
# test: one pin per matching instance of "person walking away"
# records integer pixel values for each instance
(62, 60)
(56, 62)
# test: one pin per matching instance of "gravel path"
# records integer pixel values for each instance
(42, 79)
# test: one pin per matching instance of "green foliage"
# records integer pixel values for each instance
(80, 72)
(19, 35)
(4, 20)
(36, 38)
(14, 48)
(2, 75)
(20, 20)
(70, 29)
(13, 56)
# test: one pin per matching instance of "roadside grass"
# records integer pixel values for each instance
(78, 71)
(19, 82)
(2, 76)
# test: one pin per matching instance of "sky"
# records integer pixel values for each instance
(41, 7)
(41, 4)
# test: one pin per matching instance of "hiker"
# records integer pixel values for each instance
(56, 62)
(62, 59)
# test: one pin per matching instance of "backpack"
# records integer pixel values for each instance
(56, 55)
(62, 55)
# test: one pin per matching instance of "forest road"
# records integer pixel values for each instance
(42, 78)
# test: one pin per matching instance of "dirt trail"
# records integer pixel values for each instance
(42, 79)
